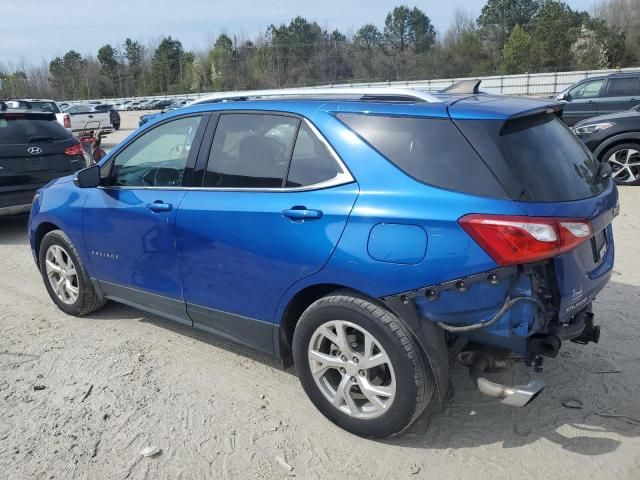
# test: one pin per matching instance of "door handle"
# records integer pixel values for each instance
(90, 116)
(159, 206)
(632, 100)
(302, 213)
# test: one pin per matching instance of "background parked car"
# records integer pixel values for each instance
(615, 138)
(41, 105)
(600, 96)
(113, 114)
(84, 116)
(34, 149)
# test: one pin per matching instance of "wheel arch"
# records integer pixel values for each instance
(40, 231)
(630, 137)
(430, 338)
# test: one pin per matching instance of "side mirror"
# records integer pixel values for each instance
(87, 177)
(565, 96)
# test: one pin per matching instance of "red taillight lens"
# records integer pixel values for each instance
(512, 240)
(67, 121)
(74, 150)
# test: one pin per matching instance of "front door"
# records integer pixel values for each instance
(582, 102)
(129, 222)
(274, 203)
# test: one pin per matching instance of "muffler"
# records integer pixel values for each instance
(517, 396)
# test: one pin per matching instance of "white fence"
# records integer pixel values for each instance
(535, 84)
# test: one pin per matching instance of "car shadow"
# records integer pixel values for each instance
(116, 311)
(13, 230)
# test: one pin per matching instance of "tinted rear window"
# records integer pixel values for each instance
(16, 131)
(431, 150)
(537, 157)
(50, 107)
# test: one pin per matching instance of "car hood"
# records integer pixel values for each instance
(609, 117)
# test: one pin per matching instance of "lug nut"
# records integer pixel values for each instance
(361, 373)
(343, 358)
(430, 294)
(343, 371)
(354, 379)
(355, 359)
(404, 299)
(493, 278)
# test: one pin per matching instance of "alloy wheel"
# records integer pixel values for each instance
(351, 369)
(626, 165)
(62, 274)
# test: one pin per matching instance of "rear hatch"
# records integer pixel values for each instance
(549, 173)
(34, 149)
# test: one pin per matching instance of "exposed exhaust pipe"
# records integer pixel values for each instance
(518, 396)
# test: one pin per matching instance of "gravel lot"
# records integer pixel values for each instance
(80, 398)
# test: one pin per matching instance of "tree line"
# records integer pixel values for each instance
(508, 37)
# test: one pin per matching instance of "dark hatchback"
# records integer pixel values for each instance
(34, 149)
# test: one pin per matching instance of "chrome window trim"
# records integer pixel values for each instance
(342, 178)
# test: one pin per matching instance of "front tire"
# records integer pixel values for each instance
(65, 277)
(625, 163)
(360, 366)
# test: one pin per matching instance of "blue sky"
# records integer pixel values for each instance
(34, 30)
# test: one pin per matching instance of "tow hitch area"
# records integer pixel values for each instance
(480, 362)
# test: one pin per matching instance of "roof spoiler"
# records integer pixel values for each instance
(468, 87)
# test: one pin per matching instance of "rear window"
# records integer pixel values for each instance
(431, 150)
(537, 158)
(16, 131)
(50, 107)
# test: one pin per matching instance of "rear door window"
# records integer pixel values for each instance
(620, 87)
(311, 162)
(251, 151)
(431, 150)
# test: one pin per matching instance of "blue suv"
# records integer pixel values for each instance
(363, 235)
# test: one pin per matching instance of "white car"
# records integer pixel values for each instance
(84, 117)
(41, 105)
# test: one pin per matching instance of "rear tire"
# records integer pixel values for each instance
(625, 162)
(360, 366)
(65, 277)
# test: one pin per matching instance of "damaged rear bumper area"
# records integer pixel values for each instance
(503, 316)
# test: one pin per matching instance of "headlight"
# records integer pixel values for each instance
(592, 128)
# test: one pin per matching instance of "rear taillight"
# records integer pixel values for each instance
(67, 121)
(512, 240)
(74, 150)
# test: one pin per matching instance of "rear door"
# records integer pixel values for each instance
(583, 101)
(34, 149)
(618, 94)
(274, 201)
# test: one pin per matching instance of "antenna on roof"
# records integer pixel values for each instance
(464, 86)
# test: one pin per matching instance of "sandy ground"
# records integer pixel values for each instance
(80, 398)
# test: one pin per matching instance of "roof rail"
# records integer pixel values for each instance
(469, 87)
(365, 93)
